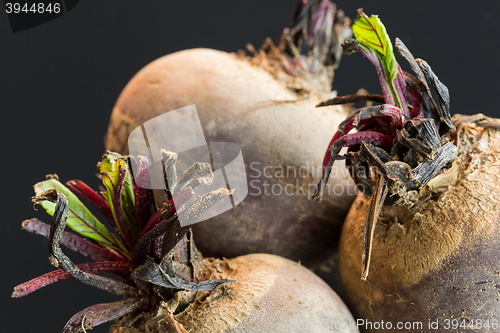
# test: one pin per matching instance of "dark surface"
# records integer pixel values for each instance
(59, 82)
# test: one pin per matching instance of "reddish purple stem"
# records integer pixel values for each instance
(175, 204)
(318, 18)
(143, 246)
(374, 58)
(73, 242)
(396, 117)
(400, 84)
(386, 111)
(416, 100)
(140, 193)
(153, 220)
(339, 140)
(376, 138)
(119, 268)
(101, 313)
(336, 137)
(92, 197)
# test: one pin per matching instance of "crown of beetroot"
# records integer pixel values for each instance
(152, 254)
(401, 144)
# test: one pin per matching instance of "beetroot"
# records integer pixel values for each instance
(266, 105)
(437, 263)
(419, 247)
(270, 294)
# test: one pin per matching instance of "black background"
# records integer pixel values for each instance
(59, 82)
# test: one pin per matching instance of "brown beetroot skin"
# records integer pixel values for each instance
(269, 294)
(441, 264)
(274, 126)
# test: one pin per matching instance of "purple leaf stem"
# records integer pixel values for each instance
(175, 205)
(140, 192)
(74, 242)
(101, 313)
(373, 56)
(119, 268)
(92, 197)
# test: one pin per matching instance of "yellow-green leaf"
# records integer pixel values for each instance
(123, 210)
(371, 31)
(80, 218)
